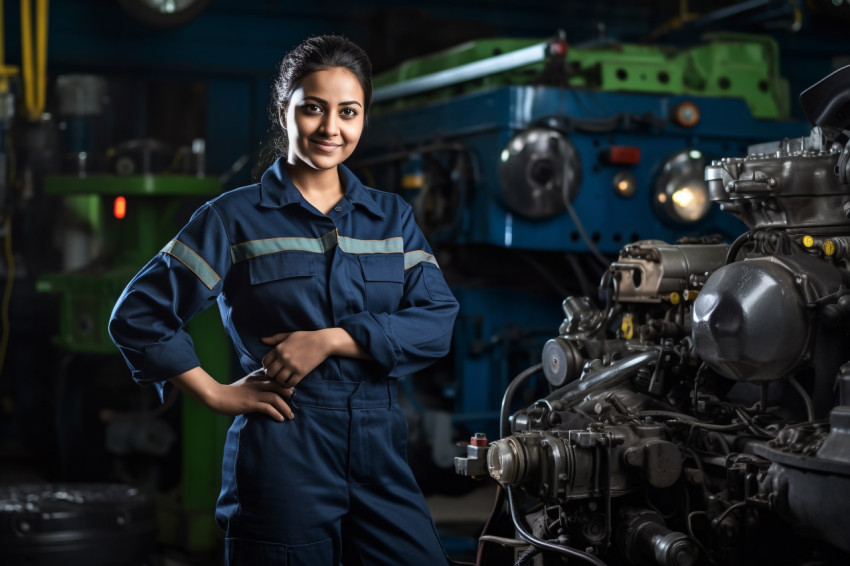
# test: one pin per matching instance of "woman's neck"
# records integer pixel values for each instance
(321, 188)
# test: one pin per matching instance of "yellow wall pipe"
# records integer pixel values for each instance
(34, 72)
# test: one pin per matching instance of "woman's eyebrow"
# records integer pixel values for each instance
(325, 102)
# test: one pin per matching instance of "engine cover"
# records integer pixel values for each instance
(749, 322)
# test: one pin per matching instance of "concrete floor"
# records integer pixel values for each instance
(460, 518)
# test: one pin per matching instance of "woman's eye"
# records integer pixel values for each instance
(348, 112)
(313, 108)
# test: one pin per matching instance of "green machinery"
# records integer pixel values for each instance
(128, 219)
(724, 65)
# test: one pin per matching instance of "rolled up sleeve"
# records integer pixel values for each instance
(148, 321)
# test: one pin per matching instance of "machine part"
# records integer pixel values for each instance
(539, 169)
(62, 524)
(580, 315)
(598, 378)
(82, 99)
(681, 194)
(474, 70)
(475, 462)
(141, 157)
(804, 493)
(651, 270)
(542, 544)
(736, 318)
(699, 421)
(768, 190)
(573, 465)
(144, 436)
(164, 13)
(80, 95)
(827, 102)
(506, 461)
(625, 184)
(686, 114)
(562, 362)
(738, 312)
(836, 446)
(647, 540)
(729, 65)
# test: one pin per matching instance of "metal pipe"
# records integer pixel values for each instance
(610, 376)
(463, 73)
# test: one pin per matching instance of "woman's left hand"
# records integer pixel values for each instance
(294, 355)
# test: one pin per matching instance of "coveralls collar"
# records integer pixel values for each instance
(277, 189)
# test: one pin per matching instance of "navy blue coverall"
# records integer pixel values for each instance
(332, 485)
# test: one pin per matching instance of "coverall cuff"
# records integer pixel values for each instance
(367, 330)
(163, 361)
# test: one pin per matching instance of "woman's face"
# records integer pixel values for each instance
(324, 119)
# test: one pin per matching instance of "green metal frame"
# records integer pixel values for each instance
(87, 296)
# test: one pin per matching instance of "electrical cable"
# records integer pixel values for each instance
(544, 545)
(698, 424)
(719, 519)
(579, 226)
(810, 410)
(7, 292)
(736, 246)
(497, 505)
(505, 541)
(504, 417)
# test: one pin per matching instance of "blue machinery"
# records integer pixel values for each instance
(523, 188)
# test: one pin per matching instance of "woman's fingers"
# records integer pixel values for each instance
(276, 407)
(275, 339)
(266, 385)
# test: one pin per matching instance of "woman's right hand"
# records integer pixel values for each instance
(254, 393)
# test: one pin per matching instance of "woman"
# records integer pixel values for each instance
(329, 292)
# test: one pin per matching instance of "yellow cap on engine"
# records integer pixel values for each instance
(627, 327)
(828, 247)
(675, 298)
(808, 241)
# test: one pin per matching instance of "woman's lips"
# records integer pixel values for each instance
(326, 146)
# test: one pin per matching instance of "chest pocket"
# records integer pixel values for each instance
(284, 278)
(383, 275)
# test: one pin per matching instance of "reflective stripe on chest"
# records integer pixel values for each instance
(254, 248)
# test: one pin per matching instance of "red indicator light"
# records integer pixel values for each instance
(119, 207)
(621, 155)
(558, 48)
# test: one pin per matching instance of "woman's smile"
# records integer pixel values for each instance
(324, 119)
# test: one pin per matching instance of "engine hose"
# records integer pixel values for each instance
(736, 246)
(609, 376)
(504, 417)
(544, 545)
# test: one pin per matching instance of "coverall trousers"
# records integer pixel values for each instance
(331, 486)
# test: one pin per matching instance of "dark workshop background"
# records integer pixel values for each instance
(190, 97)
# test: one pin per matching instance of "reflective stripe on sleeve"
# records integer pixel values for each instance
(188, 257)
(417, 257)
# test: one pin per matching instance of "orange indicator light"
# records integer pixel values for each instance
(119, 207)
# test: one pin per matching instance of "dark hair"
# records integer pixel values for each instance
(313, 54)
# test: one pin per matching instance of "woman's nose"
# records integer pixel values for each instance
(329, 125)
